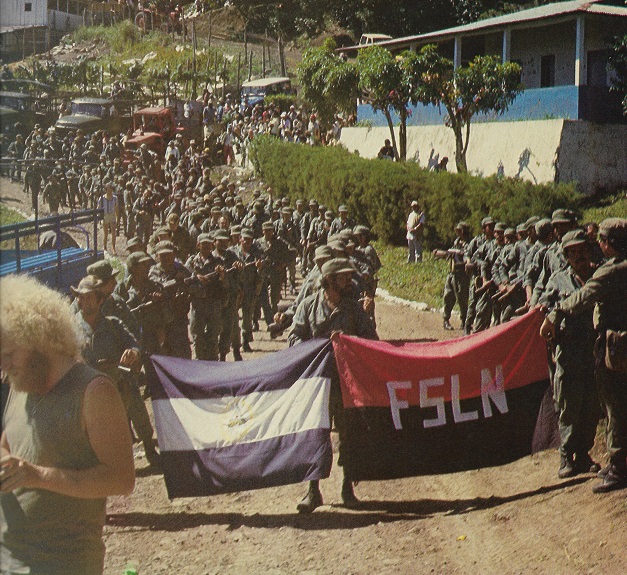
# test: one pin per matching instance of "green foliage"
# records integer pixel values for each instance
(417, 282)
(618, 64)
(282, 101)
(485, 85)
(616, 208)
(327, 82)
(379, 193)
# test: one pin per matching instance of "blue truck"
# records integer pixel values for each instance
(60, 260)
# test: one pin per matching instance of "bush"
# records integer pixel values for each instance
(282, 101)
(379, 192)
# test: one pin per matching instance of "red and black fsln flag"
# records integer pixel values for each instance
(429, 408)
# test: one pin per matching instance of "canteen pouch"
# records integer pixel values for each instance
(616, 350)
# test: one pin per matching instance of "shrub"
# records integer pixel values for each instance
(282, 101)
(379, 192)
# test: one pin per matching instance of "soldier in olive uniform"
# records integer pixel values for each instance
(330, 310)
(457, 283)
(605, 292)
(576, 399)
(171, 275)
(207, 298)
(108, 344)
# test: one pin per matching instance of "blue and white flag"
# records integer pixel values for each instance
(225, 427)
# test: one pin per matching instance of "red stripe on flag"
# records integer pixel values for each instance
(512, 355)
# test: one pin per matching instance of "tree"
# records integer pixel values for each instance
(327, 82)
(618, 64)
(390, 83)
(485, 85)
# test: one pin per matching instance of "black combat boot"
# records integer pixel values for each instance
(447, 326)
(312, 500)
(246, 347)
(348, 495)
(615, 478)
(567, 467)
(585, 464)
(237, 356)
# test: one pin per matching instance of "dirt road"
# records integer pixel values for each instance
(514, 519)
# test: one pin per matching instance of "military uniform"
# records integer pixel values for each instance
(457, 283)
(576, 398)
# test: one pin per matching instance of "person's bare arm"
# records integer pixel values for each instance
(106, 425)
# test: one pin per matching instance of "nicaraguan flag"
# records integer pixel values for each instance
(225, 427)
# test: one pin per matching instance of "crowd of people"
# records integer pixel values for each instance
(206, 265)
(558, 266)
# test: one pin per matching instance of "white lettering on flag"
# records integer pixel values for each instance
(437, 402)
(397, 404)
(224, 421)
(458, 415)
(492, 388)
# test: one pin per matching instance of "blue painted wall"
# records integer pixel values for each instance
(567, 102)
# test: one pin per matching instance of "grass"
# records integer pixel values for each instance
(617, 208)
(9, 216)
(422, 282)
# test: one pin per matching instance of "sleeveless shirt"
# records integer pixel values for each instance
(45, 532)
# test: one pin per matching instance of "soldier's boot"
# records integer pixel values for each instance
(312, 500)
(615, 478)
(246, 347)
(447, 326)
(567, 467)
(237, 356)
(153, 458)
(348, 495)
(585, 464)
(223, 357)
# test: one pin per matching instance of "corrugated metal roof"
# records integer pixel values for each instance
(532, 14)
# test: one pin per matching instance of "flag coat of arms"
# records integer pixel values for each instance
(225, 427)
(427, 408)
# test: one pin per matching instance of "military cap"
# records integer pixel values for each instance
(165, 247)
(487, 221)
(532, 221)
(361, 230)
(521, 228)
(204, 238)
(336, 266)
(135, 259)
(133, 242)
(285, 201)
(342, 208)
(414, 204)
(247, 233)
(258, 207)
(221, 235)
(103, 270)
(313, 203)
(500, 227)
(216, 210)
(299, 202)
(235, 230)
(563, 216)
(510, 232)
(164, 230)
(543, 227)
(328, 215)
(88, 284)
(286, 210)
(574, 238)
(613, 228)
(173, 217)
(322, 208)
(323, 252)
(462, 225)
(276, 204)
(338, 246)
(267, 226)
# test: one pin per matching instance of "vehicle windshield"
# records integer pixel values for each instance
(96, 110)
(14, 102)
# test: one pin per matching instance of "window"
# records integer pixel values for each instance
(547, 71)
(28, 7)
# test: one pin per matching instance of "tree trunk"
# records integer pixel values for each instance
(388, 117)
(402, 134)
(460, 152)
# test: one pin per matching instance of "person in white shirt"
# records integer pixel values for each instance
(415, 230)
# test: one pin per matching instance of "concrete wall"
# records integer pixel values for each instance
(591, 154)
